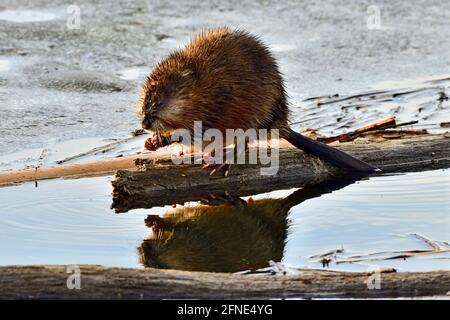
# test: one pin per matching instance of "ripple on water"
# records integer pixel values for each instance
(65, 221)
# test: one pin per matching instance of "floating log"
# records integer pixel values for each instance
(97, 282)
(165, 183)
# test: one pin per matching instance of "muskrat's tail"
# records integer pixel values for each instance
(338, 158)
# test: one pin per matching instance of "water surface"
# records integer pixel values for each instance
(69, 221)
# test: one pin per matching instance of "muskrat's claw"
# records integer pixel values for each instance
(218, 167)
(223, 166)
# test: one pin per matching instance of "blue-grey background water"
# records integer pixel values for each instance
(58, 83)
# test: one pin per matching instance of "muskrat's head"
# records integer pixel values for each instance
(164, 99)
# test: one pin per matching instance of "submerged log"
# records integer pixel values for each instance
(165, 183)
(96, 282)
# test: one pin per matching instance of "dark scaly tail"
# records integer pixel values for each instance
(338, 158)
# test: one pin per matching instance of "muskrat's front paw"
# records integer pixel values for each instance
(149, 145)
(153, 143)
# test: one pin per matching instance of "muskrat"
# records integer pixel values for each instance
(228, 79)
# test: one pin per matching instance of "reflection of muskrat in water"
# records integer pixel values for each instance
(222, 238)
(228, 80)
(226, 238)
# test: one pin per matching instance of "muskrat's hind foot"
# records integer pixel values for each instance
(233, 153)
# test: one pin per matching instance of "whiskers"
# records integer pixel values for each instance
(160, 127)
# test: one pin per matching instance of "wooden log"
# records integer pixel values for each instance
(97, 282)
(95, 168)
(166, 183)
(78, 170)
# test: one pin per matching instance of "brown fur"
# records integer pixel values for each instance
(227, 79)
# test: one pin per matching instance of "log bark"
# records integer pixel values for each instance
(165, 183)
(97, 282)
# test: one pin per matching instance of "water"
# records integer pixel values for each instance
(72, 151)
(375, 215)
(5, 65)
(66, 221)
(132, 73)
(70, 222)
(320, 50)
(22, 16)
